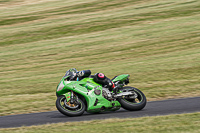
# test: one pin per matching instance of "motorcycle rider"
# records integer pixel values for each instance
(98, 77)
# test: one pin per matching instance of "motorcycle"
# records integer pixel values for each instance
(75, 96)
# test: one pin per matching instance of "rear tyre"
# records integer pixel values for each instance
(135, 103)
(68, 109)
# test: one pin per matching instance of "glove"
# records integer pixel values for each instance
(80, 73)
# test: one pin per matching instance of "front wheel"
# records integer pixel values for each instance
(133, 103)
(68, 109)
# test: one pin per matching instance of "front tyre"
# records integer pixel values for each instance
(133, 104)
(68, 109)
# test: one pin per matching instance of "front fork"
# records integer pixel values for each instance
(70, 96)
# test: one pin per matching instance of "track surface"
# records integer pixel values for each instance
(175, 106)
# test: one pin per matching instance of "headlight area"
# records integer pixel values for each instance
(61, 86)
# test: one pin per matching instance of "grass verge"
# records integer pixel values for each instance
(184, 123)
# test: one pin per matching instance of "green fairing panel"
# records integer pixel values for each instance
(65, 88)
(91, 97)
(121, 77)
(85, 87)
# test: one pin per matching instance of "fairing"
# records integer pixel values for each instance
(87, 87)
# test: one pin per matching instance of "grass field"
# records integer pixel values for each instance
(184, 123)
(156, 41)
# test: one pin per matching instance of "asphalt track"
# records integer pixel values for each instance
(165, 107)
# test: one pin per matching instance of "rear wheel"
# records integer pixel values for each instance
(66, 108)
(133, 103)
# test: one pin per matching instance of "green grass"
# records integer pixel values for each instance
(184, 123)
(157, 42)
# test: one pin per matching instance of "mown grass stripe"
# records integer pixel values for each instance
(77, 29)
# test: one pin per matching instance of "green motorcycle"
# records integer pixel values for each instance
(75, 96)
